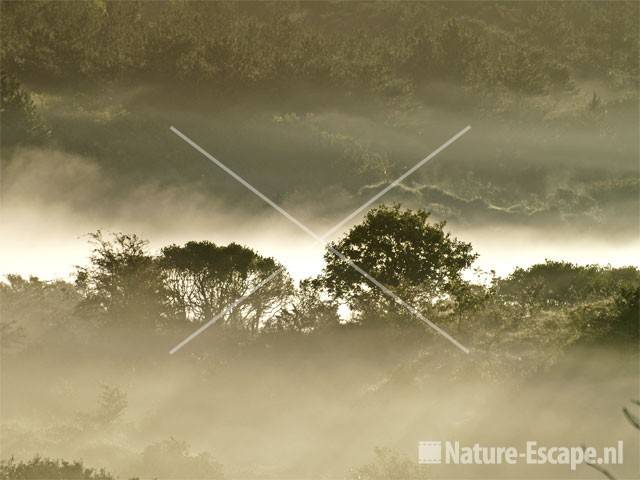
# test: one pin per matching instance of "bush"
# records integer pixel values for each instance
(171, 458)
(389, 465)
(39, 468)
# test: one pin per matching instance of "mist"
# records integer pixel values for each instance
(53, 196)
(160, 320)
(264, 416)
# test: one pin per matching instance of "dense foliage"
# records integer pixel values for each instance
(125, 286)
(387, 47)
(402, 251)
(51, 469)
(201, 277)
(353, 89)
(122, 282)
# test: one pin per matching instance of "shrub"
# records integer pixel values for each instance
(38, 468)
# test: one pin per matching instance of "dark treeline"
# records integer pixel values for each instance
(128, 306)
(550, 88)
(124, 287)
(386, 47)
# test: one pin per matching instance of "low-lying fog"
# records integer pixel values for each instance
(313, 410)
(48, 242)
(315, 406)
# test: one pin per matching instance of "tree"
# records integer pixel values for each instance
(557, 283)
(30, 309)
(614, 319)
(123, 284)
(202, 279)
(19, 119)
(455, 48)
(308, 311)
(418, 260)
(39, 467)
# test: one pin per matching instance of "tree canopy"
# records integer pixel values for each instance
(528, 47)
(122, 284)
(400, 249)
(203, 278)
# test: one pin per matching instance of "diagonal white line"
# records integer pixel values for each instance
(395, 297)
(396, 182)
(321, 240)
(242, 180)
(228, 309)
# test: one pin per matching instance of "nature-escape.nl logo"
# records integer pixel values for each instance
(431, 452)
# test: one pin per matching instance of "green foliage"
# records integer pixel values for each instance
(20, 122)
(402, 251)
(546, 306)
(203, 278)
(39, 468)
(536, 314)
(614, 319)
(455, 50)
(527, 47)
(556, 283)
(31, 309)
(308, 312)
(530, 71)
(122, 285)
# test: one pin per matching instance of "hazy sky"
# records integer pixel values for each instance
(519, 192)
(47, 240)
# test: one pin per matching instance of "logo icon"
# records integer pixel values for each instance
(430, 452)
